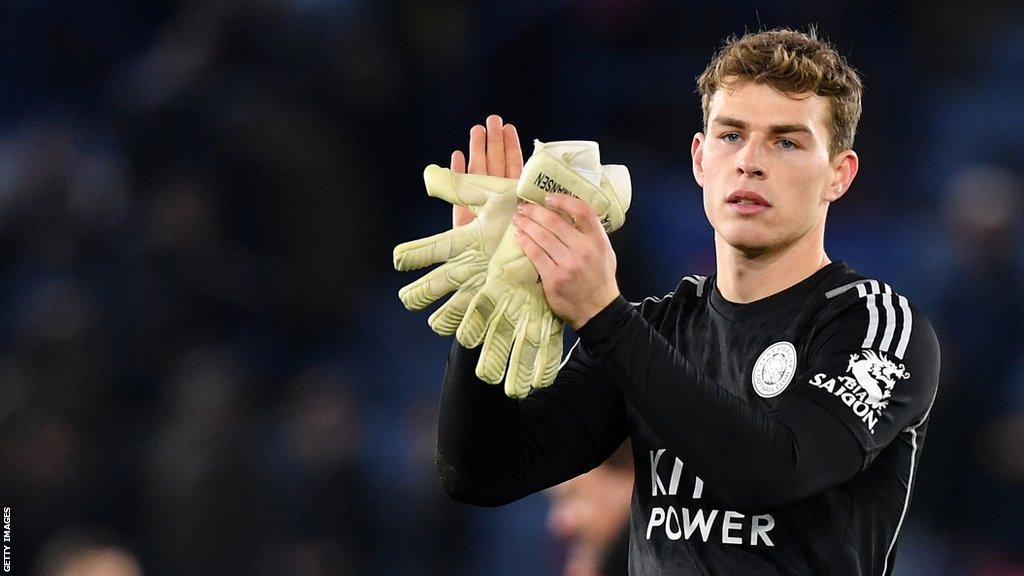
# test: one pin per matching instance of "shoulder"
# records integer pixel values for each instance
(690, 288)
(873, 360)
(873, 313)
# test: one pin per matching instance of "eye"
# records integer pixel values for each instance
(731, 137)
(788, 144)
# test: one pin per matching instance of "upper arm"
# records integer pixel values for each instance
(854, 395)
(875, 367)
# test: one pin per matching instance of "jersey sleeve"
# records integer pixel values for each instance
(754, 456)
(874, 364)
(493, 450)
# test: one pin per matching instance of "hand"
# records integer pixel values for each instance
(576, 262)
(493, 151)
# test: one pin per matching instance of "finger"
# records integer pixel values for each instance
(541, 261)
(495, 146)
(582, 214)
(552, 220)
(513, 152)
(551, 244)
(460, 215)
(458, 162)
(478, 150)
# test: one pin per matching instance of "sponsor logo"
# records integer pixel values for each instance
(675, 517)
(867, 389)
(774, 369)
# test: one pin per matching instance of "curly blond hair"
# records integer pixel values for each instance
(792, 62)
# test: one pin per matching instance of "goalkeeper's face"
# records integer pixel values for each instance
(765, 167)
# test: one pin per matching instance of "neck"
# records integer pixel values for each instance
(744, 277)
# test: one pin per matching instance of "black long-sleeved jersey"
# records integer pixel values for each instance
(776, 437)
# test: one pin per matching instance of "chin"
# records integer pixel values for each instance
(750, 242)
(752, 250)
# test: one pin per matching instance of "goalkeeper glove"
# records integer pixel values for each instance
(509, 313)
(465, 250)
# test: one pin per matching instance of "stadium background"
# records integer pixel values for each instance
(202, 352)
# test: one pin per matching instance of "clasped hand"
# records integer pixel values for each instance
(576, 261)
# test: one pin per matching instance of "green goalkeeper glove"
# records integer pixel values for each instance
(509, 313)
(465, 250)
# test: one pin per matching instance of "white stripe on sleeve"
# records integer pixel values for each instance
(890, 321)
(872, 316)
(908, 321)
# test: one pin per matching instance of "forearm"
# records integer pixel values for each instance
(752, 458)
(476, 434)
(493, 450)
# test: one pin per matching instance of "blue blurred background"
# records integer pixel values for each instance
(202, 352)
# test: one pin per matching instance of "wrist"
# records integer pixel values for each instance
(607, 326)
(600, 304)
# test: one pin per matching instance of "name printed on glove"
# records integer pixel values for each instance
(548, 184)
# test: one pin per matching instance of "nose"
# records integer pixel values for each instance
(750, 162)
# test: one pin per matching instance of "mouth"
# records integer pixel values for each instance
(747, 203)
(748, 198)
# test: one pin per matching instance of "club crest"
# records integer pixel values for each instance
(774, 369)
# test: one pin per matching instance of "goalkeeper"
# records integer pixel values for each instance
(777, 407)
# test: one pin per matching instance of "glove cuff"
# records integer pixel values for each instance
(546, 173)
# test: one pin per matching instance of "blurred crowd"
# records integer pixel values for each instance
(204, 365)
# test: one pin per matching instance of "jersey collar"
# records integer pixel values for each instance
(780, 303)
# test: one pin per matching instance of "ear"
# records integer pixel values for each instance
(844, 170)
(697, 154)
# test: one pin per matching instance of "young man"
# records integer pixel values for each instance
(776, 408)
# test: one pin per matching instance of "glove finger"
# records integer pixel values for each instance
(553, 353)
(433, 249)
(496, 345)
(442, 280)
(481, 309)
(446, 319)
(462, 189)
(545, 351)
(526, 360)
